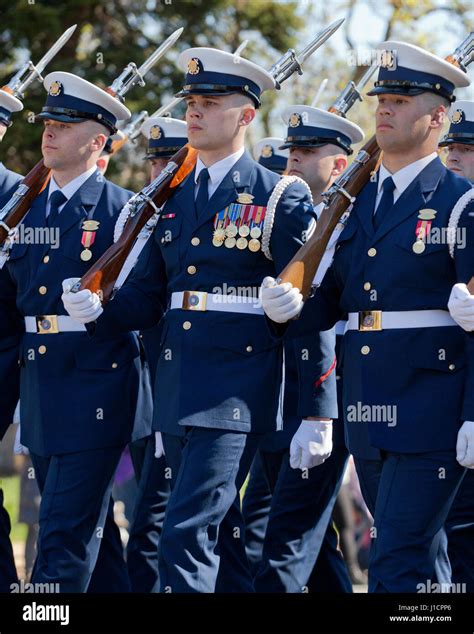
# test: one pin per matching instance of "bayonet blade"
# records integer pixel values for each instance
(240, 48)
(160, 51)
(320, 92)
(324, 35)
(167, 108)
(44, 61)
(366, 77)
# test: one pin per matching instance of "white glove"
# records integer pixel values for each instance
(311, 445)
(159, 448)
(83, 306)
(465, 445)
(461, 306)
(281, 302)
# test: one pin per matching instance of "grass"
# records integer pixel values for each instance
(11, 494)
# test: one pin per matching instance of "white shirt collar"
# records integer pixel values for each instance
(219, 170)
(404, 176)
(71, 188)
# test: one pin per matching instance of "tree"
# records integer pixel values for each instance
(112, 33)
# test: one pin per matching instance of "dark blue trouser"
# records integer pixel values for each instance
(412, 501)
(7, 563)
(75, 490)
(203, 528)
(299, 522)
(460, 531)
(369, 474)
(110, 571)
(148, 516)
(256, 507)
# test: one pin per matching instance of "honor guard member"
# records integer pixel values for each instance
(219, 369)
(459, 142)
(8, 105)
(78, 396)
(403, 353)
(268, 153)
(300, 527)
(8, 357)
(164, 136)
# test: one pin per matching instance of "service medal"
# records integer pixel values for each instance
(217, 243)
(89, 227)
(219, 234)
(255, 232)
(418, 247)
(231, 231)
(244, 231)
(254, 245)
(242, 243)
(230, 242)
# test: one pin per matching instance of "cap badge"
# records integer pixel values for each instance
(295, 120)
(156, 132)
(388, 59)
(194, 66)
(55, 88)
(267, 151)
(457, 116)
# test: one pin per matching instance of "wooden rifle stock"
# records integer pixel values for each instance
(300, 271)
(102, 276)
(19, 204)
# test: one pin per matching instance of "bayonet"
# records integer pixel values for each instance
(29, 71)
(132, 75)
(292, 62)
(321, 89)
(464, 54)
(351, 93)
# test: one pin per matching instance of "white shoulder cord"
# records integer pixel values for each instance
(140, 242)
(273, 201)
(455, 216)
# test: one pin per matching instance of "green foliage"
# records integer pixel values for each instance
(109, 35)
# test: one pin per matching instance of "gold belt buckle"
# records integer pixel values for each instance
(194, 300)
(47, 325)
(370, 320)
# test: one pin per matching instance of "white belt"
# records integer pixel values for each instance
(373, 320)
(341, 327)
(202, 301)
(52, 324)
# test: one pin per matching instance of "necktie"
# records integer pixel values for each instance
(56, 199)
(203, 195)
(386, 202)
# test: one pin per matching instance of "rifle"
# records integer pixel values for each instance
(29, 71)
(101, 277)
(36, 180)
(300, 271)
(15, 210)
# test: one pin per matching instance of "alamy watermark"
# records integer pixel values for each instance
(36, 235)
(360, 413)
